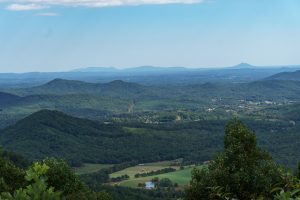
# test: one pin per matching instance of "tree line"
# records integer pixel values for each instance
(157, 172)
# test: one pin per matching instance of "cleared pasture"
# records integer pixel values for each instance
(182, 177)
(144, 168)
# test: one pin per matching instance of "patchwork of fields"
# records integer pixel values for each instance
(181, 176)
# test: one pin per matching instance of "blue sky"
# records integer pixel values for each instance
(59, 35)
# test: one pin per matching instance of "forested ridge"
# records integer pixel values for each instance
(52, 133)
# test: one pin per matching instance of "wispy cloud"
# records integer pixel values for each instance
(19, 5)
(48, 14)
(24, 7)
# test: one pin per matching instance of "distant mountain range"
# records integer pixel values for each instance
(128, 70)
(169, 69)
(149, 75)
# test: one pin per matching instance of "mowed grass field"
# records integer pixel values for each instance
(90, 168)
(182, 177)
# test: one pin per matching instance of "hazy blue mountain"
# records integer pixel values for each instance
(149, 75)
(295, 76)
(243, 66)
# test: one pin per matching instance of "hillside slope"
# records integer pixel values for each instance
(52, 133)
(116, 89)
(294, 76)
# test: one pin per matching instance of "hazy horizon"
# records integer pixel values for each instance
(82, 69)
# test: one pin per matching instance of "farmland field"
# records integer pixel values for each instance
(182, 177)
(144, 168)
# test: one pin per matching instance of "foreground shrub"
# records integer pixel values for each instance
(242, 171)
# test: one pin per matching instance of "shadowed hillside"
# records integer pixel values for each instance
(52, 133)
(7, 99)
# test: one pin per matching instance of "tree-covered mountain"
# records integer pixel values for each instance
(117, 88)
(52, 133)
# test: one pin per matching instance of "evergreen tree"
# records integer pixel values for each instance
(243, 171)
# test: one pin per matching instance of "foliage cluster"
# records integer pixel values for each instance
(51, 179)
(243, 171)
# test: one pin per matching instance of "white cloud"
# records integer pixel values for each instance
(24, 7)
(41, 4)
